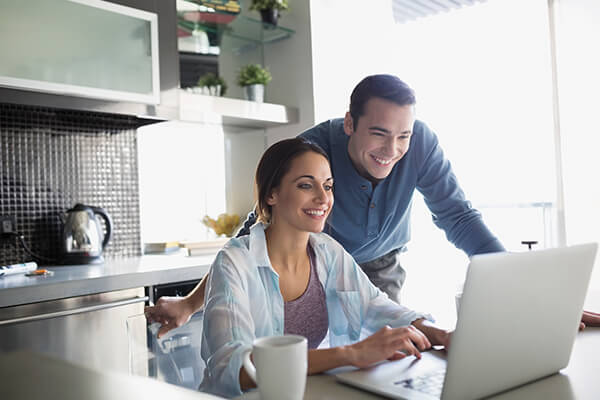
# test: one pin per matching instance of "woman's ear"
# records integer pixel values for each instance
(272, 198)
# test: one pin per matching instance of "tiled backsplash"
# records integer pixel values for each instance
(51, 159)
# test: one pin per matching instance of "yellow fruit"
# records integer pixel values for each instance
(225, 224)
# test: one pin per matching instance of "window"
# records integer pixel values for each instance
(482, 76)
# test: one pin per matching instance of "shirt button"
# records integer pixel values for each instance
(372, 205)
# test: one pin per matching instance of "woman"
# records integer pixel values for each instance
(287, 277)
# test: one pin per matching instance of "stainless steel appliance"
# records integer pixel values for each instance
(83, 236)
(87, 330)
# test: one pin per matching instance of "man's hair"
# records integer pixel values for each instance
(273, 166)
(383, 86)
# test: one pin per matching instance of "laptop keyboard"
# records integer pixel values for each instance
(430, 383)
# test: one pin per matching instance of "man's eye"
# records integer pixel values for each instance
(376, 133)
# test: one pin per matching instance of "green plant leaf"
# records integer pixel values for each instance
(252, 74)
(269, 4)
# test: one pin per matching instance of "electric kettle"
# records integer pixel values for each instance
(83, 236)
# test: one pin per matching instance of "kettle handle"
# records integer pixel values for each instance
(102, 212)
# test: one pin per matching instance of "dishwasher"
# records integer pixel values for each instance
(174, 358)
(87, 330)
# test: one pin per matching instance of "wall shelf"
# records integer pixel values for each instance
(194, 23)
(234, 112)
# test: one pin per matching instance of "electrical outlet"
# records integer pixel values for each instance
(7, 224)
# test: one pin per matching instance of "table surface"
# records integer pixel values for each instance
(33, 376)
(580, 380)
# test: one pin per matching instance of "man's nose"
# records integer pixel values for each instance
(390, 149)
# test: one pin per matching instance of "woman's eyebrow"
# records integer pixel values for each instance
(311, 177)
(305, 176)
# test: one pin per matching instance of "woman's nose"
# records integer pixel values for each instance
(321, 196)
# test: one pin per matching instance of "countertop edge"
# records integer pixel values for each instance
(73, 282)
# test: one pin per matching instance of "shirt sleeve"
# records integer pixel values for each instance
(450, 210)
(228, 329)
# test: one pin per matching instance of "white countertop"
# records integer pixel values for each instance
(116, 274)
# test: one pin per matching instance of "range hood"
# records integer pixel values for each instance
(163, 103)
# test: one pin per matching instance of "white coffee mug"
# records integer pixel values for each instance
(281, 366)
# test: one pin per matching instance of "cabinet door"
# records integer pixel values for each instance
(84, 48)
(86, 330)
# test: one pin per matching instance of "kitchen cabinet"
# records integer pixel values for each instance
(80, 313)
(86, 330)
(49, 49)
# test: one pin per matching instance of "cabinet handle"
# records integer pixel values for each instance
(74, 311)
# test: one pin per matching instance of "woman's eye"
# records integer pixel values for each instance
(328, 187)
(305, 186)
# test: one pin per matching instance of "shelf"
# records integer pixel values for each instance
(234, 112)
(209, 27)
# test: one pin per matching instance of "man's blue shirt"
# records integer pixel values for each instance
(372, 221)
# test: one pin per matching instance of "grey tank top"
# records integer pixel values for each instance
(307, 315)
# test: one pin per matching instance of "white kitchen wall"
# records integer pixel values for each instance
(243, 148)
(181, 179)
(289, 62)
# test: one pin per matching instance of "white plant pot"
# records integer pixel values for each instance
(255, 92)
(206, 90)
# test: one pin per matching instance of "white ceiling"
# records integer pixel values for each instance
(408, 10)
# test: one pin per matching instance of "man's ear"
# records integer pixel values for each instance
(348, 124)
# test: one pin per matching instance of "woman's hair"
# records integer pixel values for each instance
(273, 166)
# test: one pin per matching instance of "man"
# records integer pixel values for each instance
(380, 154)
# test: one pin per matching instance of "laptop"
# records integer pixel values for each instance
(518, 318)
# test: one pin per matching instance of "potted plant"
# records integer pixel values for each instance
(269, 9)
(253, 78)
(212, 85)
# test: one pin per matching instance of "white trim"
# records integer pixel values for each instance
(118, 9)
(76, 90)
(561, 232)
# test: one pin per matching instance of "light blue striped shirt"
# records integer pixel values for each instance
(244, 302)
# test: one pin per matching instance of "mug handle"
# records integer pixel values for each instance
(250, 369)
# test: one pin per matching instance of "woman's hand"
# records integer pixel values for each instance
(388, 344)
(170, 312)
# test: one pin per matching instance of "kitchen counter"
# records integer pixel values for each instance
(116, 274)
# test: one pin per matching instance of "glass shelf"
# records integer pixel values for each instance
(247, 33)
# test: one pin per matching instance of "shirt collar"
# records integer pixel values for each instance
(258, 245)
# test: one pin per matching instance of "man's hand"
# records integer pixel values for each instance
(170, 312)
(388, 344)
(589, 318)
(437, 336)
